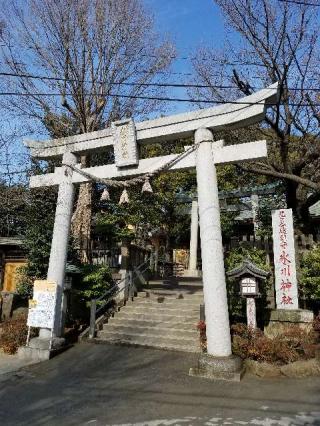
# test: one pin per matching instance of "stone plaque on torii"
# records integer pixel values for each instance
(124, 136)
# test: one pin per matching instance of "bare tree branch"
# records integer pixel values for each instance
(280, 41)
(94, 45)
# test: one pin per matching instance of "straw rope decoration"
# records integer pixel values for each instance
(141, 179)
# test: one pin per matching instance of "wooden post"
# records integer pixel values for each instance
(93, 308)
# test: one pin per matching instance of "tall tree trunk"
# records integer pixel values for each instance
(291, 196)
(81, 220)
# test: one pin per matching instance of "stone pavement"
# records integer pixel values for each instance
(11, 363)
(115, 385)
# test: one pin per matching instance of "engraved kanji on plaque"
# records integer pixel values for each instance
(125, 143)
(284, 260)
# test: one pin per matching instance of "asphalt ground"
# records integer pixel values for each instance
(118, 385)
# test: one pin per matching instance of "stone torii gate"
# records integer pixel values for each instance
(124, 136)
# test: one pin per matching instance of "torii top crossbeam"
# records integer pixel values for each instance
(125, 135)
(243, 112)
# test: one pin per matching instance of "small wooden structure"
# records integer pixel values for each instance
(12, 256)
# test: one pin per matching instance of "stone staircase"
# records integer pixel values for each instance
(162, 316)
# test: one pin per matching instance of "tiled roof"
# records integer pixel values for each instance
(11, 241)
(72, 269)
(314, 210)
(248, 268)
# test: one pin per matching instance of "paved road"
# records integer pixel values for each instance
(113, 385)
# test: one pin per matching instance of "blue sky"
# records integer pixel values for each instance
(189, 24)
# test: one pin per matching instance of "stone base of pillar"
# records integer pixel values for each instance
(38, 349)
(283, 319)
(192, 273)
(218, 368)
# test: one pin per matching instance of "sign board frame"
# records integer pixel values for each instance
(42, 308)
(286, 285)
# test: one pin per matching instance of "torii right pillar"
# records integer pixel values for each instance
(218, 362)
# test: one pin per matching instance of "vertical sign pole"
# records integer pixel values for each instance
(28, 336)
(214, 282)
(251, 312)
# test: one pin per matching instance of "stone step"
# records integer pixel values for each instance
(160, 309)
(170, 301)
(155, 344)
(151, 331)
(189, 345)
(164, 318)
(172, 290)
(166, 302)
(169, 294)
(182, 325)
(147, 316)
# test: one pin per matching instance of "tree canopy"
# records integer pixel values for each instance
(77, 65)
(278, 41)
(80, 64)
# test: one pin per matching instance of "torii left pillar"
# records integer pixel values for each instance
(58, 258)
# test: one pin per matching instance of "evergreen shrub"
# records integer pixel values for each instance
(309, 282)
(96, 280)
(24, 283)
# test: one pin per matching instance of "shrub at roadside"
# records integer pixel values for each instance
(13, 333)
(290, 346)
(316, 323)
(309, 282)
(201, 326)
(93, 282)
(24, 283)
(96, 280)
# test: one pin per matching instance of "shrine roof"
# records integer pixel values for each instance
(236, 193)
(244, 215)
(11, 241)
(247, 191)
(72, 269)
(248, 268)
(314, 210)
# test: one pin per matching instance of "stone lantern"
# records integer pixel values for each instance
(249, 287)
(249, 276)
(71, 272)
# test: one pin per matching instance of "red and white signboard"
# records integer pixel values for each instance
(284, 260)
